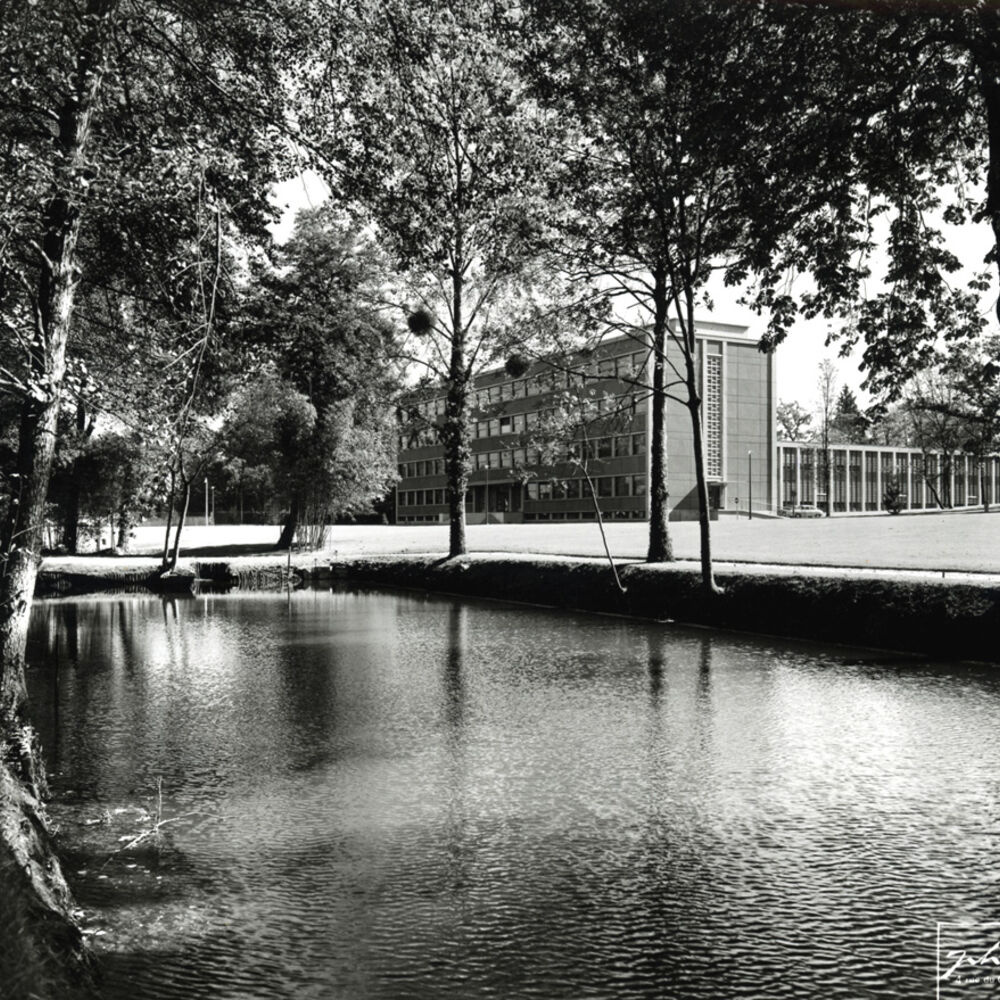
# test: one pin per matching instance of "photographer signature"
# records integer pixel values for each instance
(990, 957)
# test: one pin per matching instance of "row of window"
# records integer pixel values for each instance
(421, 498)
(619, 446)
(576, 489)
(621, 366)
(554, 489)
(424, 467)
(514, 423)
(585, 515)
(518, 423)
(555, 515)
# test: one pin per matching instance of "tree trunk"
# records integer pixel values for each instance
(171, 497)
(126, 522)
(698, 439)
(36, 887)
(456, 426)
(660, 547)
(182, 517)
(287, 536)
(71, 525)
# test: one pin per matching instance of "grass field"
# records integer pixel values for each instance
(964, 542)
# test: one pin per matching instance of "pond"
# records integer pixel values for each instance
(383, 795)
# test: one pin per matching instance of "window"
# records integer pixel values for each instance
(638, 444)
(506, 425)
(713, 415)
(623, 446)
(545, 490)
(531, 490)
(623, 486)
(604, 447)
(638, 486)
(603, 484)
(606, 368)
(519, 456)
(574, 489)
(493, 428)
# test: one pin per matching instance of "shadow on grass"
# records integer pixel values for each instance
(216, 551)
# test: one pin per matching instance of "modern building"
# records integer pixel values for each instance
(518, 477)
(861, 473)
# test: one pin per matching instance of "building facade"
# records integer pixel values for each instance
(521, 472)
(860, 474)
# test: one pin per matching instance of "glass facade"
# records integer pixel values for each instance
(861, 474)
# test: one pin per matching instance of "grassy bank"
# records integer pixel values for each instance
(954, 620)
(890, 611)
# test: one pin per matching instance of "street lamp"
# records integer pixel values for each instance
(206, 501)
(750, 484)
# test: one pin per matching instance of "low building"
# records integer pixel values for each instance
(861, 474)
(513, 479)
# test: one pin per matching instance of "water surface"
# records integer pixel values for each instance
(388, 796)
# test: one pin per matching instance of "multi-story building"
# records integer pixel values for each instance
(518, 476)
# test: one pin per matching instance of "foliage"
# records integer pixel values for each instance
(850, 425)
(314, 426)
(793, 419)
(106, 476)
(439, 141)
(686, 163)
(893, 498)
(911, 118)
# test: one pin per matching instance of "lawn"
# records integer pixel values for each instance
(967, 541)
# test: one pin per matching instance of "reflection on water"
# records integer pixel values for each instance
(385, 796)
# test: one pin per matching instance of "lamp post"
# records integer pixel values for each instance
(206, 501)
(750, 484)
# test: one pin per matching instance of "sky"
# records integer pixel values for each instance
(797, 360)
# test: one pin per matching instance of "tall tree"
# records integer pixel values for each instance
(826, 386)
(850, 424)
(438, 139)
(314, 323)
(106, 105)
(689, 162)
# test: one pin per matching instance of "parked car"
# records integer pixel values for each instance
(801, 510)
